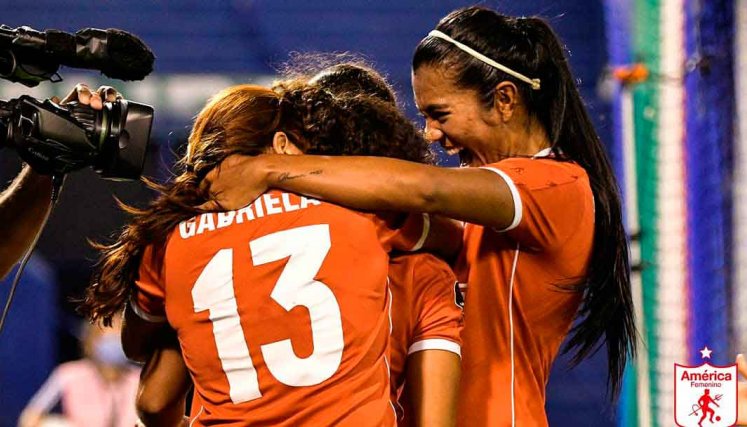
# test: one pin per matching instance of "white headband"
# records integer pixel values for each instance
(534, 83)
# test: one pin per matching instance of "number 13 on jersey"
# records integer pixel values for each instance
(306, 248)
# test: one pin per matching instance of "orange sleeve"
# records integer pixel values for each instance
(550, 197)
(439, 317)
(402, 232)
(148, 299)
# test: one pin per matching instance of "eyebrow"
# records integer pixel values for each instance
(432, 108)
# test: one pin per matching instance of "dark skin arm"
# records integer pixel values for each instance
(368, 183)
(23, 207)
(432, 387)
(140, 338)
(164, 383)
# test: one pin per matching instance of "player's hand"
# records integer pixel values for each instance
(235, 183)
(742, 391)
(82, 94)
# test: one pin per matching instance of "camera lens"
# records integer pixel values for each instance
(124, 132)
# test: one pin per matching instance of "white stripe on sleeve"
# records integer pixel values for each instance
(518, 207)
(424, 236)
(435, 344)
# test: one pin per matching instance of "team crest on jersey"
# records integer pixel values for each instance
(459, 293)
(705, 395)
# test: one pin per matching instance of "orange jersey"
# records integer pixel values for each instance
(425, 314)
(281, 309)
(424, 311)
(516, 316)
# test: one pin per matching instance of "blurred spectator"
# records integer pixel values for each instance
(96, 391)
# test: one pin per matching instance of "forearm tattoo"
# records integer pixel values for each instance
(286, 176)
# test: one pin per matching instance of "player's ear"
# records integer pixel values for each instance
(281, 144)
(506, 99)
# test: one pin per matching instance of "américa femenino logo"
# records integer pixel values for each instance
(705, 395)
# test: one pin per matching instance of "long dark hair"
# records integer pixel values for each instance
(531, 47)
(347, 78)
(242, 120)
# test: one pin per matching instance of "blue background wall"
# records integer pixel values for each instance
(242, 39)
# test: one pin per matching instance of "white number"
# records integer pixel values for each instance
(213, 291)
(306, 248)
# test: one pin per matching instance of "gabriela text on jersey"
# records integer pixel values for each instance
(266, 205)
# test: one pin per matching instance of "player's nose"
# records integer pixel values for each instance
(433, 134)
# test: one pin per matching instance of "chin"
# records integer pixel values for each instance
(469, 160)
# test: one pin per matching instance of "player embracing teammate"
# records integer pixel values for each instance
(228, 282)
(543, 241)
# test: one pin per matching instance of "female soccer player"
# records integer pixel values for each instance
(544, 242)
(426, 320)
(280, 307)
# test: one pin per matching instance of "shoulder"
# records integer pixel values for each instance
(542, 173)
(420, 264)
(425, 273)
(551, 199)
(429, 265)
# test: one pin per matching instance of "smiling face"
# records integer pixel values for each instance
(457, 119)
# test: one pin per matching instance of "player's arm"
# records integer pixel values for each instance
(142, 336)
(23, 207)
(432, 388)
(145, 325)
(434, 357)
(164, 383)
(369, 183)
